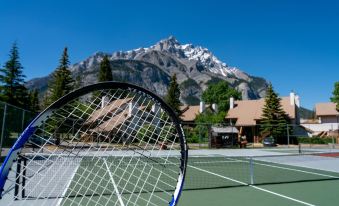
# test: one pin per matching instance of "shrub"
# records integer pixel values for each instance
(191, 135)
(315, 140)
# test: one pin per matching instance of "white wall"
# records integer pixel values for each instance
(322, 127)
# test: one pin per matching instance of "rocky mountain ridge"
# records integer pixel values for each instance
(196, 67)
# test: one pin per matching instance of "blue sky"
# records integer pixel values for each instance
(293, 44)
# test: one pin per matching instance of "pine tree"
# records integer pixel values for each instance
(34, 100)
(173, 95)
(105, 72)
(62, 82)
(274, 119)
(12, 81)
(335, 97)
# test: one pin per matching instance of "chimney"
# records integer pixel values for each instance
(157, 115)
(155, 108)
(202, 107)
(297, 100)
(231, 103)
(130, 109)
(104, 101)
(215, 107)
(292, 98)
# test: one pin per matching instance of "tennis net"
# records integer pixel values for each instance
(206, 172)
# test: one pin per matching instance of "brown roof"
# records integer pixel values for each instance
(189, 113)
(115, 121)
(111, 107)
(326, 109)
(248, 111)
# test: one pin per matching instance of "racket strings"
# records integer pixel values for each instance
(120, 161)
(73, 137)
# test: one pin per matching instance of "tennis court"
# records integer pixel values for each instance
(214, 178)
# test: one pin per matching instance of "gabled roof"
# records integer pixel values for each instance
(189, 113)
(326, 109)
(247, 112)
(120, 118)
(113, 115)
(111, 107)
(113, 122)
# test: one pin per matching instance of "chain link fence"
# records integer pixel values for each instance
(13, 121)
(223, 135)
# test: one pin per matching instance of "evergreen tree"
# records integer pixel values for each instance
(274, 120)
(173, 95)
(12, 81)
(62, 82)
(34, 100)
(105, 72)
(335, 97)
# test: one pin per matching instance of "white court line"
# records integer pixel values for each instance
(212, 162)
(67, 186)
(212, 173)
(254, 187)
(280, 195)
(114, 184)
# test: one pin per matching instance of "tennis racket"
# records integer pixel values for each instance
(110, 143)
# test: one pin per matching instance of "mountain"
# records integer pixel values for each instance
(195, 66)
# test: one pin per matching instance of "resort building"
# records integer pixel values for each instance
(246, 115)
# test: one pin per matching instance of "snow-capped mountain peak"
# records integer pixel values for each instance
(191, 53)
(184, 52)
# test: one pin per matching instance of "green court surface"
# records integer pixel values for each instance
(324, 193)
(213, 181)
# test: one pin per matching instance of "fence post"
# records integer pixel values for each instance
(288, 136)
(200, 137)
(3, 128)
(332, 137)
(23, 121)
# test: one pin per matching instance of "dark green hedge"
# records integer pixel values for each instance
(315, 140)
